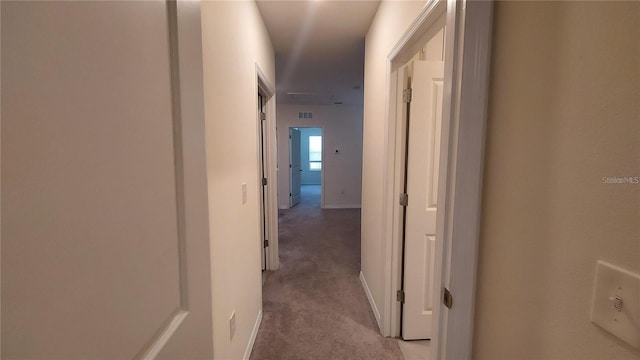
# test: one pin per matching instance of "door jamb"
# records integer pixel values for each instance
(266, 88)
(467, 59)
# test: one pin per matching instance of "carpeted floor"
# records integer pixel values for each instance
(314, 306)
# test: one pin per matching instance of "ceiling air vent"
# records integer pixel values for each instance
(305, 115)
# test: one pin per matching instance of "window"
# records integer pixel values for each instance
(315, 153)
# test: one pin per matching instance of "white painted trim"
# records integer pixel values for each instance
(266, 86)
(254, 335)
(391, 309)
(372, 302)
(407, 43)
(470, 49)
(467, 58)
(164, 335)
(342, 206)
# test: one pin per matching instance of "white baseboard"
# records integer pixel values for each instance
(376, 313)
(254, 334)
(342, 206)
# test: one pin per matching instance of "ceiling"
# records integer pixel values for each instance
(319, 46)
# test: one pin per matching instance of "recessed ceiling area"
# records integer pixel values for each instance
(319, 47)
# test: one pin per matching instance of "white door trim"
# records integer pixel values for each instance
(467, 57)
(471, 54)
(268, 90)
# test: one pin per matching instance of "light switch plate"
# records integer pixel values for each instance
(616, 302)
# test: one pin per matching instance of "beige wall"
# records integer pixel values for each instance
(564, 112)
(342, 129)
(391, 21)
(90, 242)
(234, 40)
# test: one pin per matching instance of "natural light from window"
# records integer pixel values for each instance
(315, 153)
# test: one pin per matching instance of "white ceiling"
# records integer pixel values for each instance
(319, 46)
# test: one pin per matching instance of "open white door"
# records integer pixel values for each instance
(262, 117)
(294, 167)
(423, 145)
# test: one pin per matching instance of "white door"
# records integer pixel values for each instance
(294, 167)
(263, 174)
(92, 228)
(423, 144)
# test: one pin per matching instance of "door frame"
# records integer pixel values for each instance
(321, 127)
(467, 60)
(270, 172)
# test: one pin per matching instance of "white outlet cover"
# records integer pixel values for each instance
(612, 282)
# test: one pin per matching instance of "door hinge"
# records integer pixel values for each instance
(289, 194)
(264, 181)
(263, 116)
(400, 296)
(447, 298)
(404, 199)
(266, 243)
(289, 166)
(406, 95)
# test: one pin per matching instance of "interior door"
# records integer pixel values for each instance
(294, 167)
(423, 151)
(92, 221)
(262, 119)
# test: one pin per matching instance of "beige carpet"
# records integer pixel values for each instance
(314, 306)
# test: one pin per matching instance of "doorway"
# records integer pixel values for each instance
(421, 80)
(305, 164)
(459, 178)
(267, 173)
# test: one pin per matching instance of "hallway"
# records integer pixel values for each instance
(314, 306)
